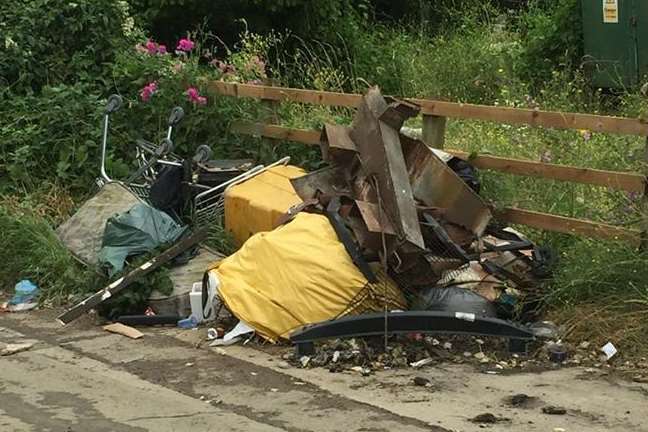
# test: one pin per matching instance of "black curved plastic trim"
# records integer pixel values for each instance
(410, 322)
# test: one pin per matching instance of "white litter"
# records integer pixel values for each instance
(609, 350)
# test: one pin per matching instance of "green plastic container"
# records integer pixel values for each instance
(616, 42)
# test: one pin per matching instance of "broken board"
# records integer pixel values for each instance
(124, 330)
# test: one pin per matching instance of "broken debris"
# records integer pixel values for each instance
(609, 350)
(14, 348)
(554, 410)
(25, 297)
(488, 418)
(422, 382)
(124, 330)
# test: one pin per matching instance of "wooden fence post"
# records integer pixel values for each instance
(644, 202)
(434, 131)
(269, 117)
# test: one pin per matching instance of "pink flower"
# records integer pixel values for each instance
(151, 47)
(185, 44)
(224, 67)
(147, 91)
(194, 96)
(255, 82)
(177, 67)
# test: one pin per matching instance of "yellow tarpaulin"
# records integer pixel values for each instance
(297, 274)
(255, 205)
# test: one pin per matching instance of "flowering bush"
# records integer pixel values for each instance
(194, 97)
(185, 45)
(153, 80)
(148, 91)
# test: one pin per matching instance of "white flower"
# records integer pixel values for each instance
(9, 43)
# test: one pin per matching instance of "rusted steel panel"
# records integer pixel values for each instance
(382, 159)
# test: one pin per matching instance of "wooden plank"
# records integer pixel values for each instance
(434, 131)
(644, 204)
(314, 97)
(631, 182)
(562, 224)
(304, 136)
(124, 281)
(124, 330)
(549, 119)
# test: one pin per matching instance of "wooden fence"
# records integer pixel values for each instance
(434, 122)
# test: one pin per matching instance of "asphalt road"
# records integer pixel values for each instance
(80, 378)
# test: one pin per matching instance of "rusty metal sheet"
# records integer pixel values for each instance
(328, 181)
(398, 111)
(436, 185)
(336, 143)
(370, 213)
(381, 157)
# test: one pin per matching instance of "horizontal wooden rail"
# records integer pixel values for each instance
(529, 218)
(549, 119)
(631, 182)
(567, 225)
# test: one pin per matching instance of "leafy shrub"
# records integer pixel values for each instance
(51, 136)
(49, 42)
(552, 36)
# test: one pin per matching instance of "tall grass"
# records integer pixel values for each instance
(33, 251)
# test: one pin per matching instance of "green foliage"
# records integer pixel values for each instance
(552, 36)
(48, 42)
(54, 135)
(613, 272)
(32, 251)
(173, 75)
(134, 299)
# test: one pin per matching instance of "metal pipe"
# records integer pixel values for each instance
(104, 141)
(227, 183)
(282, 161)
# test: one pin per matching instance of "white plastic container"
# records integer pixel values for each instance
(196, 299)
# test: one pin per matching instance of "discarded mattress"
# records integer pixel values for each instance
(297, 274)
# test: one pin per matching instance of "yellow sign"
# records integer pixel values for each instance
(611, 11)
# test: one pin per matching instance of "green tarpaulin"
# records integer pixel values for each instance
(139, 230)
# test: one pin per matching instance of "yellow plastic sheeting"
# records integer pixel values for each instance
(295, 275)
(255, 205)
